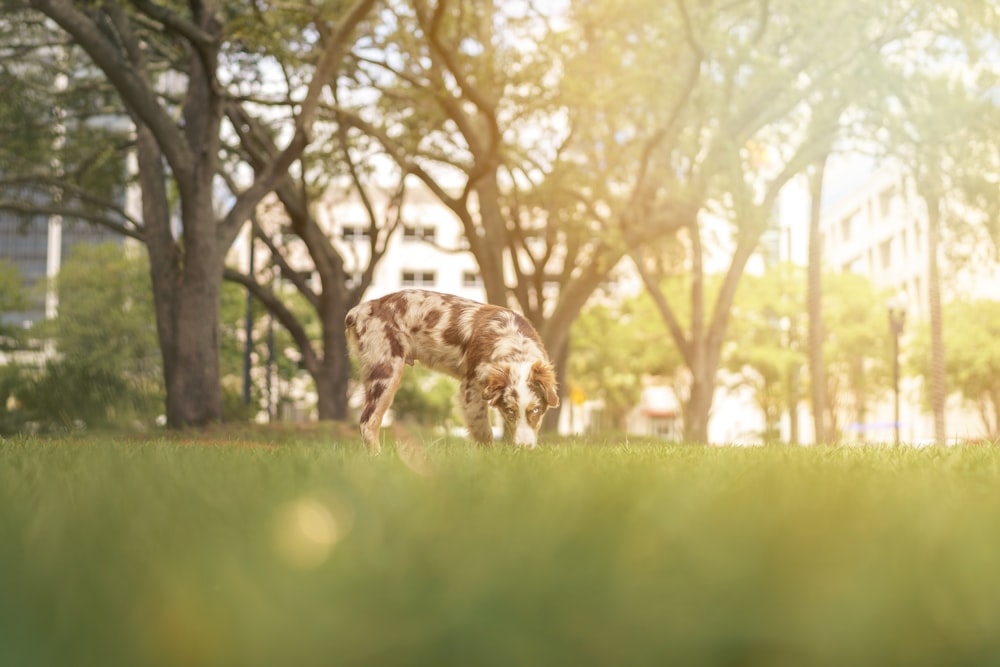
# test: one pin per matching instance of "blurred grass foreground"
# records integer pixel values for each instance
(313, 553)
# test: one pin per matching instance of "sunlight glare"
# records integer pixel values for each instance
(306, 530)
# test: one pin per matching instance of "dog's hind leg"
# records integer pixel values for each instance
(381, 381)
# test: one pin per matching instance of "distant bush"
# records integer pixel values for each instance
(424, 397)
(66, 394)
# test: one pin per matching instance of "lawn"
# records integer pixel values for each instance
(291, 549)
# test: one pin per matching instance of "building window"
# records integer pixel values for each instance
(419, 278)
(426, 233)
(354, 232)
(847, 227)
(885, 253)
(471, 279)
(885, 200)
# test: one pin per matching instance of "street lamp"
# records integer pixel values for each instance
(897, 316)
(788, 327)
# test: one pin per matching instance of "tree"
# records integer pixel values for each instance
(294, 227)
(764, 349)
(857, 351)
(765, 344)
(940, 120)
(973, 360)
(929, 140)
(276, 359)
(470, 99)
(166, 66)
(769, 85)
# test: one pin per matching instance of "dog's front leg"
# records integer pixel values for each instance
(476, 413)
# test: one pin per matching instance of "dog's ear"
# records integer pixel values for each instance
(497, 379)
(543, 377)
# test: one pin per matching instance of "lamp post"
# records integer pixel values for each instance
(897, 316)
(248, 324)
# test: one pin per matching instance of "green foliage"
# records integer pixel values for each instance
(614, 347)
(425, 397)
(767, 335)
(107, 369)
(235, 552)
(10, 383)
(858, 346)
(64, 132)
(12, 299)
(767, 343)
(972, 357)
(72, 394)
(105, 316)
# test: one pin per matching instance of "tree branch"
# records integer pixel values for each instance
(268, 178)
(663, 306)
(285, 316)
(135, 92)
(21, 207)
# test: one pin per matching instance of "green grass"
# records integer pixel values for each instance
(166, 552)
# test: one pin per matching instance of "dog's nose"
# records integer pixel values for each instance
(525, 436)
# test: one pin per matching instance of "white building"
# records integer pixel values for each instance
(878, 229)
(428, 251)
(873, 223)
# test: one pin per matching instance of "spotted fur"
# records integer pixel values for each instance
(495, 353)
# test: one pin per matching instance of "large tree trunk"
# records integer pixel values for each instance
(817, 368)
(698, 406)
(186, 296)
(335, 370)
(196, 394)
(331, 391)
(186, 286)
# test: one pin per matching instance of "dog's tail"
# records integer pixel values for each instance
(350, 326)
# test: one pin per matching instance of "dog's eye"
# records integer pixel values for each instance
(535, 410)
(509, 410)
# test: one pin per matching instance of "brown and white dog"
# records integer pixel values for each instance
(495, 352)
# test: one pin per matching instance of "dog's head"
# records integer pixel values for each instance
(522, 392)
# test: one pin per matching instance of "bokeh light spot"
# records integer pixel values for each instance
(307, 529)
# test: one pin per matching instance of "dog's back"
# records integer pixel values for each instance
(447, 333)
